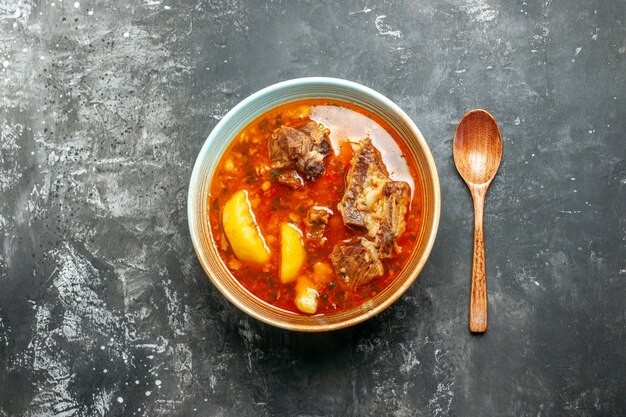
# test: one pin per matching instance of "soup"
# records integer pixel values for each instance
(315, 207)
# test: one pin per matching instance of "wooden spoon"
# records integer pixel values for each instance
(477, 153)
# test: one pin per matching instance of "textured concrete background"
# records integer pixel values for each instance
(104, 309)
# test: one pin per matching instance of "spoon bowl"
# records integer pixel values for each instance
(477, 151)
(477, 147)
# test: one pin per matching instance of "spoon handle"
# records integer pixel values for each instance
(478, 295)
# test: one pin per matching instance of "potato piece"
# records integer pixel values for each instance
(243, 231)
(292, 253)
(322, 272)
(306, 296)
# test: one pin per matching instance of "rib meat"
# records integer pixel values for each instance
(303, 148)
(394, 205)
(375, 205)
(365, 180)
(397, 195)
(357, 261)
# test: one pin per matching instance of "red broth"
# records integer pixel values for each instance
(246, 166)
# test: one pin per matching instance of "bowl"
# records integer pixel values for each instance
(247, 111)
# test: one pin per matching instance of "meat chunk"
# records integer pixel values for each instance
(315, 222)
(288, 177)
(286, 144)
(371, 198)
(396, 199)
(393, 207)
(319, 137)
(357, 262)
(303, 148)
(384, 240)
(372, 202)
(312, 165)
(365, 181)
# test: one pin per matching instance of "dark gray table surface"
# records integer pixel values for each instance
(105, 310)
